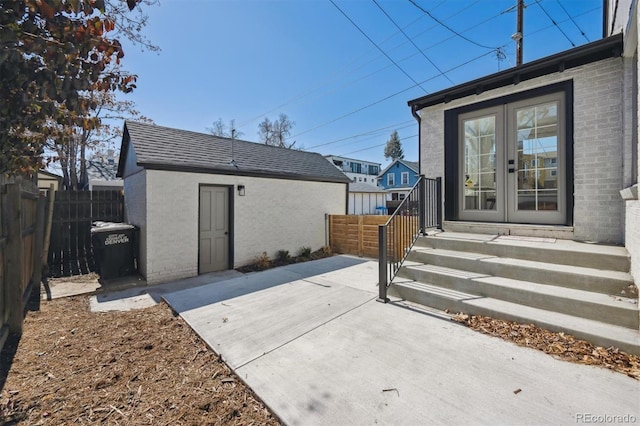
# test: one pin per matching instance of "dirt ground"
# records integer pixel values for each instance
(145, 366)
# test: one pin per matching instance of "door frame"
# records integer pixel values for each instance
(451, 145)
(230, 207)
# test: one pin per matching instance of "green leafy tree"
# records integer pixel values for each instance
(276, 132)
(393, 149)
(52, 53)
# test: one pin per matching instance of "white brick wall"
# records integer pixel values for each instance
(632, 213)
(598, 144)
(632, 236)
(135, 209)
(275, 214)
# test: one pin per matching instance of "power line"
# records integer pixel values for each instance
(376, 45)
(365, 133)
(375, 146)
(412, 42)
(449, 28)
(574, 22)
(387, 97)
(554, 23)
(345, 68)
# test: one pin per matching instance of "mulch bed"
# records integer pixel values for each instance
(560, 345)
(145, 366)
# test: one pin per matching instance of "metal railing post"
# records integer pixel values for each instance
(439, 201)
(382, 264)
(422, 200)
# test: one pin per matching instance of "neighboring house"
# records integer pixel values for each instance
(398, 179)
(358, 171)
(205, 203)
(366, 199)
(548, 143)
(102, 173)
(46, 179)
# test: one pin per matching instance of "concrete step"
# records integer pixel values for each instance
(549, 250)
(596, 332)
(577, 277)
(619, 311)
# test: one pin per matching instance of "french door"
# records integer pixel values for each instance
(511, 160)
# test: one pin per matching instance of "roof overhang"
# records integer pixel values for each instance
(609, 47)
(231, 171)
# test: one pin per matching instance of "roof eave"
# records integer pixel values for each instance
(239, 172)
(602, 49)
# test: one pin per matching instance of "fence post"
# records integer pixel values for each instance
(14, 253)
(36, 276)
(382, 264)
(439, 201)
(360, 236)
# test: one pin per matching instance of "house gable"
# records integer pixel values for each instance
(399, 170)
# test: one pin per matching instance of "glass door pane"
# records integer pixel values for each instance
(537, 158)
(479, 163)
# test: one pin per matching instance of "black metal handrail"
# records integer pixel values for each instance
(420, 210)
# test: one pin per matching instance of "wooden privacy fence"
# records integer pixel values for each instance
(358, 234)
(21, 242)
(70, 251)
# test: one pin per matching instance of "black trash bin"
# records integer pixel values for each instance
(114, 249)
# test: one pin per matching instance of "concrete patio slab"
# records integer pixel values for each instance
(127, 297)
(319, 350)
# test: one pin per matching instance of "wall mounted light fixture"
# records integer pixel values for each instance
(241, 190)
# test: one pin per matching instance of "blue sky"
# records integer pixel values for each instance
(247, 60)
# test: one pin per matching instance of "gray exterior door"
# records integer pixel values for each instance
(510, 160)
(214, 229)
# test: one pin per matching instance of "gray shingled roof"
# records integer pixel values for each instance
(414, 165)
(164, 148)
(363, 187)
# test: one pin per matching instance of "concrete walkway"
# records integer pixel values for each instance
(316, 347)
(127, 295)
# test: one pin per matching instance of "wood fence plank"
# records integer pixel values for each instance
(13, 258)
(355, 234)
(70, 250)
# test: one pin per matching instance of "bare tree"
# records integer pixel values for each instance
(276, 133)
(219, 128)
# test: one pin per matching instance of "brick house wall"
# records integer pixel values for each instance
(599, 163)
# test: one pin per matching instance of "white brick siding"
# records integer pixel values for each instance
(632, 235)
(135, 208)
(275, 214)
(598, 144)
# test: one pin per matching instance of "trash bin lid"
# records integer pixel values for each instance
(99, 226)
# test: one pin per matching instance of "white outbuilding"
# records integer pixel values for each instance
(205, 203)
(366, 199)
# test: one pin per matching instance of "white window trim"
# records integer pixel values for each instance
(402, 178)
(391, 179)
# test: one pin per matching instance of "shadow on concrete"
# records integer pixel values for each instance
(194, 298)
(113, 291)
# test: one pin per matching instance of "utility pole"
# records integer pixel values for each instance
(518, 36)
